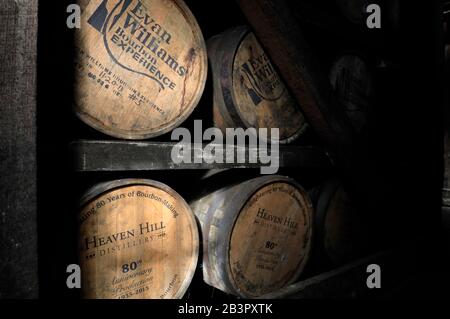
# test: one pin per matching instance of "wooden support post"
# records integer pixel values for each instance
(18, 231)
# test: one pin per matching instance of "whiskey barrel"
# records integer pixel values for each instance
(353, 85)
(140, 66)
(256, 235)
(137, 239)
(248, 92)
(340, 235)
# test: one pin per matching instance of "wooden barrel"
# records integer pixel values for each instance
(340, 234)
(137, 239)
(248, 92)
(140, 66)
(256, 235)
(353, 84)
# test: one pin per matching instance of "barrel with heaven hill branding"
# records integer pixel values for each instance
(256, 235)
(248, 92)
(137, 239)
(140, 66)
(340, 233)
(353, 85)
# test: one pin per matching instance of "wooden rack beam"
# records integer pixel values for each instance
(143, 156)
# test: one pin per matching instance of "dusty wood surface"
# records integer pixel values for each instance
(138, 239)
(138, 156)
(140, 68)
(18, 233)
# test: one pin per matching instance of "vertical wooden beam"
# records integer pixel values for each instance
(282, 38)
(18, 230)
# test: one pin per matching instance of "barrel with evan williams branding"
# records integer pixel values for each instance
(248, 92)
(137, 239)
(256, 235)
(140, 66)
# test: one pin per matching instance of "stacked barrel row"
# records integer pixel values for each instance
(139, 238)
(141, 68)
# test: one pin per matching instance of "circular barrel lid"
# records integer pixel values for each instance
(352, 82)
(271, 239)
(140, 66)
(137, 239)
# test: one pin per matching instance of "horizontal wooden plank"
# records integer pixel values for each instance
(144, 156)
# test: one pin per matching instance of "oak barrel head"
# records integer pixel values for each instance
(249, 93)
(140, 66)
(137, 239)
(256, 235)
